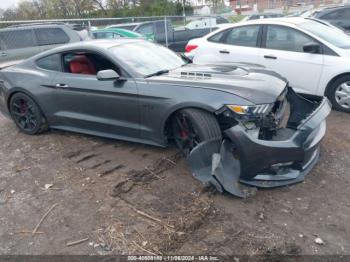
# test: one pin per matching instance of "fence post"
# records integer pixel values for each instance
(89, 29)
(210, 24)
(166, 31)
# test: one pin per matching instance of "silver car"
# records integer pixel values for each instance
(23, 41)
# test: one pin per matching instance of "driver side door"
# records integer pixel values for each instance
(85, 104)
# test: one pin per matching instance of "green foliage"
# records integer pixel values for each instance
(236, 18)
(53, 9)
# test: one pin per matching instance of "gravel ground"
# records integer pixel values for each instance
(126, 198)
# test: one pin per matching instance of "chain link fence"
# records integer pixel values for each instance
(22, 39)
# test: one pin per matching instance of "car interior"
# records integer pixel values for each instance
(86, 63)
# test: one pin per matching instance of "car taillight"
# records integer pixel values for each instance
(189, 48)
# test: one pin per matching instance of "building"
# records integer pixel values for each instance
(261, 5)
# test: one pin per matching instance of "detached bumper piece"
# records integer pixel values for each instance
(241, 163)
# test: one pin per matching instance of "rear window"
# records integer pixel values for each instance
(105, 35)
(17, 39)
(217, 38)
(51, 36)
(51, 62)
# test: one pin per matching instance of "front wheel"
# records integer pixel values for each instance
(192, 126)
(339, 94)
(27, 114)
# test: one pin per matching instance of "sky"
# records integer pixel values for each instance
(4, 4)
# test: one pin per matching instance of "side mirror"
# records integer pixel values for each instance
(107, 75)
(312, 48)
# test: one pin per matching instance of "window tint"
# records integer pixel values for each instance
(17, 39)
(284, 38)
(338, 14)
(51, 36)
(145, 29)
(86, 63)
(51, 62)
(217, 38)
(105, 35)
(243, 36)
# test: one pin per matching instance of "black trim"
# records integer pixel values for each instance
(260, 36)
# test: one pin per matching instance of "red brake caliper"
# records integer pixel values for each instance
(23, 108)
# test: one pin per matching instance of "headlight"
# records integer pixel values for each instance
(253, 111)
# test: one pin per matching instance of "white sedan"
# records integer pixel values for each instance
(313, 55)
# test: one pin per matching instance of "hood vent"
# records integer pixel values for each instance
(195, 75)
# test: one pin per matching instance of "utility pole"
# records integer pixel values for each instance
(183, 8)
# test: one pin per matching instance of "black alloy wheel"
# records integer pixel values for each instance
(26, 114)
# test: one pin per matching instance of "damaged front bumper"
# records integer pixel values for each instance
(241, 159)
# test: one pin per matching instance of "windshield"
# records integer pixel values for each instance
(147, 58)
(331, 35)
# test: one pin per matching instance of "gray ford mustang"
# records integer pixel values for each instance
(237, 124)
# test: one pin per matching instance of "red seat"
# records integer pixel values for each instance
(82, 65)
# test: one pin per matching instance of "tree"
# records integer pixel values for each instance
(54, 9)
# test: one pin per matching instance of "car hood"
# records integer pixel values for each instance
(251, 82)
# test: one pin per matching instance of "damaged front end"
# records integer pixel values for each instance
(263, 146)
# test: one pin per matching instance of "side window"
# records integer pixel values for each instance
(145, 29)
(243, 36)
(217, 38)
(17, 39)
(51, 36)
(51, 62)
(86, 63)
(287, 39)
(336, 14)
(116, 35)
(345, 14)
(105, 35)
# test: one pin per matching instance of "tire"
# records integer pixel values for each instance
(338, 92)
(192, 126)
(27, 114)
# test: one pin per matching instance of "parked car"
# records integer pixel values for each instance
(127, 26)
(22, 41)
(135, 90)
(113, 33)
(177, 39)
(312, 55)
(205, 22)
(338, 16)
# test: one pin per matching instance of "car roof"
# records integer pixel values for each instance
(114, 29)
(98, 44)
(277, 20)
(125, 24)
(329, 9)
(34, 25)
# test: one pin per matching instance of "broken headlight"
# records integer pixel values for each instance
(250, 117)
(251, 112)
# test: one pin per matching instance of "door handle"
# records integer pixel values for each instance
(3, 54)
(224, 52)
(270, 57)
(61, 86)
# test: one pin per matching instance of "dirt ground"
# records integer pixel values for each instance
(126, 198)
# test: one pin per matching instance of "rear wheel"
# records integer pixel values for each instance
(339, 94)
(27, 114)
(192, 126)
